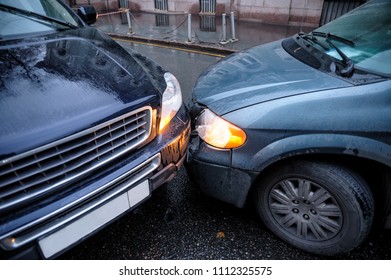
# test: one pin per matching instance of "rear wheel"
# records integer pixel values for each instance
(318, 207)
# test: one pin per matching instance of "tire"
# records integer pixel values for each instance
(318, 207)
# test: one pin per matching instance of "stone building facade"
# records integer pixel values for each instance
(281, 12)
(268, 11)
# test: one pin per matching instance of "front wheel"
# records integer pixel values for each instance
(321, 208)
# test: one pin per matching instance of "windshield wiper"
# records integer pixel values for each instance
(14, 10)
(313, 39)
(348, 64)
(332, 36)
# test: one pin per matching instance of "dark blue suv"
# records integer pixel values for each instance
(87, 129)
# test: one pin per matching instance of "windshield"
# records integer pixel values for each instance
(369, 27)
(21, 18)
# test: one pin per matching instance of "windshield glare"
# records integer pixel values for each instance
(16, 25)
(369, 27)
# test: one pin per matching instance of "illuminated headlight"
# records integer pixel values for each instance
(218, 132)
(171, 101)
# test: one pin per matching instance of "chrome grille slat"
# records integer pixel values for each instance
(36, 173)
(64, 150)
(64, 160)
(103, 155)
(47, 178)
(41, 158)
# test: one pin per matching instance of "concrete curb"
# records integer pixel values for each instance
(176, 44)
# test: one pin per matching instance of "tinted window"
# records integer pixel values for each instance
(370, 28)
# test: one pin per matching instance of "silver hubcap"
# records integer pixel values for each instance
(305, 209)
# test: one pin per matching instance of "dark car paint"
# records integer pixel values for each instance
(172, 144)
(287, 109)
(77, 79)
(57, 84)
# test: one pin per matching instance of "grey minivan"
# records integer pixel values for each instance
(301, 127)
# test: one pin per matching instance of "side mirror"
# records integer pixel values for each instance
(87, 13)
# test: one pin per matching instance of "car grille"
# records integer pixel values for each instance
(40, 172)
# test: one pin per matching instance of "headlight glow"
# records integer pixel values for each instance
(171, 100)
(218, 132)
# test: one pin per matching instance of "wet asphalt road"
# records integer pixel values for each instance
(179, 222)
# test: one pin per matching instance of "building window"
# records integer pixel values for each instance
(123, 4)
(207, 6)
(333, 9)
(161, 5)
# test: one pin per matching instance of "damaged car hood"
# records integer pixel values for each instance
(57, 85)
(260, 74)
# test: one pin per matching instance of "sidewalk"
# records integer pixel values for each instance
(206, 31)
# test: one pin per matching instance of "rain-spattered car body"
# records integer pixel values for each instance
(87, 129)
(302, 128)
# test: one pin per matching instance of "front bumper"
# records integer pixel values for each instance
(100, 199)
(211, 169)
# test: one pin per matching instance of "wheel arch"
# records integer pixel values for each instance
(323, 144)
(370, 158)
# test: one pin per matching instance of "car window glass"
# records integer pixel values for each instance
(14, 24)
(371, 35)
